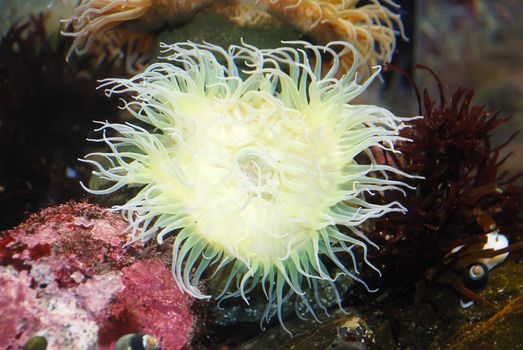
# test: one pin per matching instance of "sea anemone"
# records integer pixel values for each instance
(134, 49)
(254, 159)
(370, 26)
(92, 19)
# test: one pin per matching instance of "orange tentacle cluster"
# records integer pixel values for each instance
(371, 27)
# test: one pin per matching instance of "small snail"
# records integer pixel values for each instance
(136, 341)
(475, 276)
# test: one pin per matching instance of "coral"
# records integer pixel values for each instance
(65, 276)
(255, 160)
(368, 25)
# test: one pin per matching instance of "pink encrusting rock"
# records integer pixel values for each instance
(44, 310)
(150, 303)
(18, 304)
(65, 275)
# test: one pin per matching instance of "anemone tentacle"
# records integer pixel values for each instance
(370, 25)
(258, 161)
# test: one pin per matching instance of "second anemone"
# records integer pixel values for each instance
(256, 161)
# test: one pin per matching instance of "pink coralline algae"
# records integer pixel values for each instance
(158, 307)
(65, 275)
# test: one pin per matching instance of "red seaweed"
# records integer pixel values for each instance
(462, 198)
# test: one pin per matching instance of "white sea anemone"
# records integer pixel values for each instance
(249, 156)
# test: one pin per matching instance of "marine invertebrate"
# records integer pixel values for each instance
(136, 341)
(131, 48)
(256, 161)
(370, 26)
(92, 19)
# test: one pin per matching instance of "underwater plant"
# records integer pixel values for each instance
(465, 211)
(256, 161)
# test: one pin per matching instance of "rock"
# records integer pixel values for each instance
(340, 331)
(65, 276)
(443, 324)
(495, 329)
(235, 311)
(440, 323)
(150, 303)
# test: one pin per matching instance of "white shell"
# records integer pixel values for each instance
(495, 240)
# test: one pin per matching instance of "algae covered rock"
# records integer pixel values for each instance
(439, 323)
(340, 331)
(66, 277)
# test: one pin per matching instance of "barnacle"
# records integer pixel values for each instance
(370, 26)
(256, 161)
